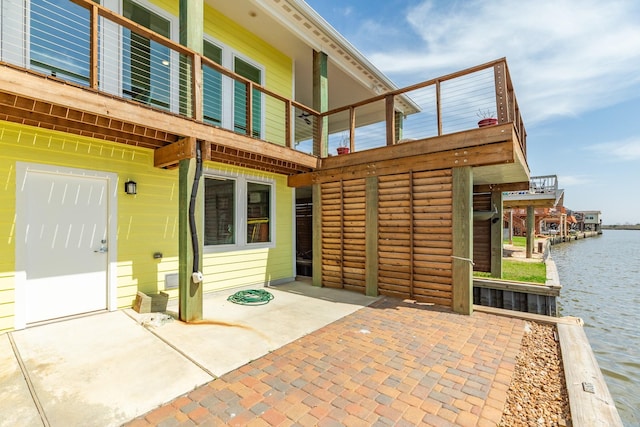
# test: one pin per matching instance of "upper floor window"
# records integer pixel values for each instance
(212, 86)
(146, 73)
(59, 42)
(254, 74)
(225, 100)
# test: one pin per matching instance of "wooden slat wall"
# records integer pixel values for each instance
(415, 242)
(433, 236)
(482, 234)
(343, 234)
(394, 238)
(331, 194)
(353, 244)
(415, 235)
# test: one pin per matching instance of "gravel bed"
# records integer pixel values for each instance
(537, 394)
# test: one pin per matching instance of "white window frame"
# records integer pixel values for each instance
(240, 229)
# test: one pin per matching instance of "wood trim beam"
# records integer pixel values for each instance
(112, 111)
(459, 140)
(173, 153)
(498, 153)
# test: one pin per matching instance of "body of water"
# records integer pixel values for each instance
(600, 279)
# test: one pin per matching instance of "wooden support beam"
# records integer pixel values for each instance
(316, 225)
(173, 153)
(390, 119)
(321, 103)
(371, 236)
(93, 47)
(496, 235)
(190, 293)
(361, 168)
(531, 237)
(462, 288)
(438, 107)
(249, 108)
(352, 129)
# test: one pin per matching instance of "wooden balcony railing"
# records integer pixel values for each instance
(435, 107)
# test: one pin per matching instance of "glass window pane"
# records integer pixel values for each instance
(212, 86)
(219, 211)
(254, 74)
(258, 212)
(146, 64)
(59, 39)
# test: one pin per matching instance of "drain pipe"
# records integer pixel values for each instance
(197, 274)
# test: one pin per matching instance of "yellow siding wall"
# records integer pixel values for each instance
(147, 222)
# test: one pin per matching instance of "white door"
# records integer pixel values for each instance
(65, 244)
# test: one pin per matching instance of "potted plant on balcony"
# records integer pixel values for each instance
(343, 147)
(487, 118)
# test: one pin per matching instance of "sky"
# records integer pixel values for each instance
(574, 64)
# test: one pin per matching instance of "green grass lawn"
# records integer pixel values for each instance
(518, 241)
(520, 271)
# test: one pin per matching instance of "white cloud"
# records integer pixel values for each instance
(626, 150)
(565, 56)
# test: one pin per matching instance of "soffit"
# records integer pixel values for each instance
(295, 29)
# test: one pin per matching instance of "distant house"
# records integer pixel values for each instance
(164, 146)
(589, 220)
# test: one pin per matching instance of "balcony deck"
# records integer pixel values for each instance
(431, 121)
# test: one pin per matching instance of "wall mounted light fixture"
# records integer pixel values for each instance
(130, 187)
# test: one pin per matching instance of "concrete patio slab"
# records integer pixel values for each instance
(106, 369)
(16, 403)
(232, 335)
(101, 370)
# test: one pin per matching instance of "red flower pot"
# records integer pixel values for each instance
(487, 122)
(343, 150)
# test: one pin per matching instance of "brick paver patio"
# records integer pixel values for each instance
(392, 363)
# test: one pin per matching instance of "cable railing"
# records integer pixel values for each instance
(84, 43)
(448, 104)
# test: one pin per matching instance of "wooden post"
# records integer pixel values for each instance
(390, 118)
(352, 129)
(438, 108)
(191, 36)
(321, 103)
(462, 240)
(496, 235)
(93, 48)
(531, 234)
(399, 125)
(288, 122)
(316, 218)
(371, 236)
(502, 107)
(249, 108)
(190, 293)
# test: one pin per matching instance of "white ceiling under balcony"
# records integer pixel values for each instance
(296, 30)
